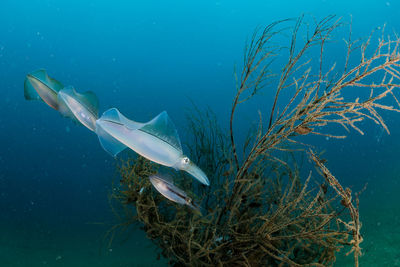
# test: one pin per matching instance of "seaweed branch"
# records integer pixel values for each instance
(354, 225)
(307, 112)
(259, 211)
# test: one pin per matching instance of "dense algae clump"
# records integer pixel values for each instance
(258, 211)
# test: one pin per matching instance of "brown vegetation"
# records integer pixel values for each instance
(258, 211)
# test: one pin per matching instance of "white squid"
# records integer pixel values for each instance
(156, 140)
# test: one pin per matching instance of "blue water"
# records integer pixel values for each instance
(144, 57)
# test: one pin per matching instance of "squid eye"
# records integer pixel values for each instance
(185, 160)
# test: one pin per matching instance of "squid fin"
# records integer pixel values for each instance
(40, 75)
(88, 99)
(163, 128)
(166, 177)
(114, 115)
(109, 143)
(30, 92)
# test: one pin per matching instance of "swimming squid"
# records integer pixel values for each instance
(39, 86)
(156, 140)
(170, 191)
(81, 107)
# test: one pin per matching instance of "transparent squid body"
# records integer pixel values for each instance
(170, 191)
(156, 140)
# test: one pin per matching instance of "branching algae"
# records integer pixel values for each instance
(258, 211)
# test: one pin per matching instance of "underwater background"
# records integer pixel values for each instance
(144, 57)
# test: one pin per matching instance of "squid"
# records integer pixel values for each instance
(166, 188)
(79, 107)
(39, 86)
(156, 140)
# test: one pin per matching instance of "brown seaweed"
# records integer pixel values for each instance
(260, 211)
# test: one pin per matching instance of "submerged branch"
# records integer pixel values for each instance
(258, 211)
